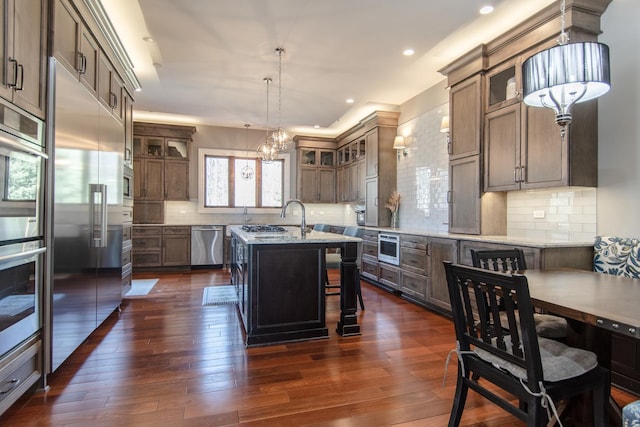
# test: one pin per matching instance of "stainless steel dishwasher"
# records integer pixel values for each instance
(207, 245)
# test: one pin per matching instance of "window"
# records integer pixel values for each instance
(224, 186)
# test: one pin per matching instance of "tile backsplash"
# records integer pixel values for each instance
(423, 173)
(563, 214)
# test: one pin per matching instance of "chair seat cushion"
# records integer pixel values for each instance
(559, 361)
(631, 414)
(547, 325)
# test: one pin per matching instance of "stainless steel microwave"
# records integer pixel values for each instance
(389, 248)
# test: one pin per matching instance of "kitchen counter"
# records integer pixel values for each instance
(501, 239)
(290, 235)
(279, 278)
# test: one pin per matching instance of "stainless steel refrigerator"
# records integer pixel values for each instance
(86, 282)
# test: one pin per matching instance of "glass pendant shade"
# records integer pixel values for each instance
(267, 153)
(566, 74)
(280, 139)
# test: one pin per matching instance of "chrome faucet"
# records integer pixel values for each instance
(303, 224)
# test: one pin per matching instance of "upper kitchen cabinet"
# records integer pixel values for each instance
(109, 87)
(161, 162)
(316, 169)
(351, 170)
(508, 145)
(524, 149)
(23, 32)
(74, 46)
(370, 164)
(465, 119)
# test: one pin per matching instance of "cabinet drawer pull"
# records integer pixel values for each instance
(9, 385)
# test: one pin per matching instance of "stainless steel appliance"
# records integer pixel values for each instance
(360, 214)
(22, 250)
(207, 245)
(22, 161)
(389, 248)
(87, 215)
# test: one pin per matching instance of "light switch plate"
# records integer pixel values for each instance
(538, 214)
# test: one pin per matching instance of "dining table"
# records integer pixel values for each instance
(595, 304)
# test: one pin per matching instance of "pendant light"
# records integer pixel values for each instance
(279, 138)
(247, 171)
(267, 152)
(566, 74)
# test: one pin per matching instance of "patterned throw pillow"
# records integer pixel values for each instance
(617, 255)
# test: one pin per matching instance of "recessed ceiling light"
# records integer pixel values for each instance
(408, 52)
(486, 9)
(350, 101)
(316, 126)
(148, 39)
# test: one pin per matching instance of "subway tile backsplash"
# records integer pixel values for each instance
(423, 173)
(564, 214)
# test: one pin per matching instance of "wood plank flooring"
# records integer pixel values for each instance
(166, 360)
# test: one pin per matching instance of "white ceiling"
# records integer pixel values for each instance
(208, 58)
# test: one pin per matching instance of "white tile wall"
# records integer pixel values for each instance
(423, 174)
(187, 213)
(569, 214)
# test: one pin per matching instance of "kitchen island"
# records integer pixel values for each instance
(279, 278)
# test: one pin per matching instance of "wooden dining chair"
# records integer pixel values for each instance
(539, 372)
(513, 260)
(332, 260)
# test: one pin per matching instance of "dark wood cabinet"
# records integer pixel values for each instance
(160, 166)
(465, 106)
(176, 246)
(316, 169)
(161, 246)
(440, 250)
(23, 54)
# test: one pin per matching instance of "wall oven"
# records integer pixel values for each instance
(22, 161)
(389, 248)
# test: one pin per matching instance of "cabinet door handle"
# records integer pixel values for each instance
(113, 100)
(376, 204)
(449, 196)
(515, 174)
(449, 147)
(523, 173)
(21, 86)
(15, 73)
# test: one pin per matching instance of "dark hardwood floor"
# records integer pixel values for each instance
(166, 360)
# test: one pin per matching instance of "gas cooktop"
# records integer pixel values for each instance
(263, 229)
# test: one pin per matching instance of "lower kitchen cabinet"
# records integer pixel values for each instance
(440, 250)
(176, 246)
(161, 246)
(389, 275)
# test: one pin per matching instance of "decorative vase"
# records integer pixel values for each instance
(394, 219)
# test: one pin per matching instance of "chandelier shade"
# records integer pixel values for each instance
(566, 74)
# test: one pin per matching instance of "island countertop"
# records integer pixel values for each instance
(290, 235)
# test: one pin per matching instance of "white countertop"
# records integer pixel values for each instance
(290, 235)
(502, 239)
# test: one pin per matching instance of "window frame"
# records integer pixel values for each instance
(239, 154)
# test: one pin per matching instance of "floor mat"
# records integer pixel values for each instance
(219, 295)
(141, 287)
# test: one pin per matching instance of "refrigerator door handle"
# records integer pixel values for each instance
(103, 216)
(98, 215)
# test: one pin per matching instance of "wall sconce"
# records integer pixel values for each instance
(444, 128)
(399, 144)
